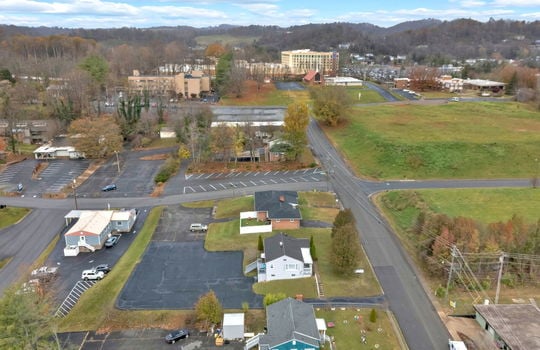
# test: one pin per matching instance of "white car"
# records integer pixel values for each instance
(198, 228)
(92, 274)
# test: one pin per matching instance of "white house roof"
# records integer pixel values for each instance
(306, 256)
(50, 149)
(91, 222)
(122, 215)
(236, 319)
(482, 83)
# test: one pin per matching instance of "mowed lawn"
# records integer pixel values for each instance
(485, 205)
(454, 140)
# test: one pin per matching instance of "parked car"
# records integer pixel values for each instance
(198, 227)
(174, 336)
(92, 274)
(103, 267)
(111, 241)
(111, 187)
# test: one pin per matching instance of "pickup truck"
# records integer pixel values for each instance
(198, 228)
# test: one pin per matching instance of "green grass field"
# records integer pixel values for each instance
(12, 215)
(351, 324)
(366, 95)
(461, 140)
(483, 205)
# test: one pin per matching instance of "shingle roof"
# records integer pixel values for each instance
(517, 324)
(290, 319)
(278, 204)
(281, 244)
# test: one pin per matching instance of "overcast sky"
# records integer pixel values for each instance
(284, 13)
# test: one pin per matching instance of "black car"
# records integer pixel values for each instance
(111, 241)
(108, 188)
(103, 267)
(174, 336)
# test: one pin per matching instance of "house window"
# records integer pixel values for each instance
(118, 223)
(307, 266)
(290, 267)
(292, 220)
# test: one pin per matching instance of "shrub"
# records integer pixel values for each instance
(167, 170)
(373, 316)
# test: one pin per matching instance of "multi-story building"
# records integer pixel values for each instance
(302, 61)
(182, 84)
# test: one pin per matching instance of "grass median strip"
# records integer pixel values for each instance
(97, 304)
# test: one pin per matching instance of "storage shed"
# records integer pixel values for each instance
(233, 326)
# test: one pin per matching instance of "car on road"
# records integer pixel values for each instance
(92, 274)
(111, 187)
(111, 241)
(175, 336)
(103, 267)
(198, 228)
(454, 99)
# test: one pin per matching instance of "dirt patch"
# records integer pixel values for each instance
(155, 157)
(158, 190)
(220, 167)
(38, 169)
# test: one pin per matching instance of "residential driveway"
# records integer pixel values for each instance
(174, 275)
(138, 339)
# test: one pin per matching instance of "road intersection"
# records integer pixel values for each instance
(408, 300)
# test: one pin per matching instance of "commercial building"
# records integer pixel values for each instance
(302, 61)
(182, 84)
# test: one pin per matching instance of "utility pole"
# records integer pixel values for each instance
(117, 162)
(75, 194)
(453, 253)
(501, 261)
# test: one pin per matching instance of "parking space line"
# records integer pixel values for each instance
(315, 178)
(209, 176)
(222, 185)
(198, 177)
(283, 180)
(304, 179)
(268, 172)
(243, 184)
(293, 179)
(275, 173)
(305, 171)
(296, 171)
(246, 174)
(274, 181)
(188, 176)
(215, 189)
(219, 174)
(285, 172)
(191, 188)
(264, 183)
(229, 174)
(257, 173)
(202, 188)
(254, 184)
(237, 174)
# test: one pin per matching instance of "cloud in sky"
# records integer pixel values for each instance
(148, 13)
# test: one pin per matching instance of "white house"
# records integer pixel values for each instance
(284, 257)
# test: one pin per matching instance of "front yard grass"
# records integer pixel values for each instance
(351, 324)
(320, 206)
(366, 95)
(304, 286)
(231, 207)
(12, 215)
(460, 140)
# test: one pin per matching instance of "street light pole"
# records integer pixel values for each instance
(75, 194)
(117, 162)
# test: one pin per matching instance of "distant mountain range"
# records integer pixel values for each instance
(428, 39)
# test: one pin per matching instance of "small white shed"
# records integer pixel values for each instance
(233, 326)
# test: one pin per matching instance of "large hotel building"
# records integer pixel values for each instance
(302, 61)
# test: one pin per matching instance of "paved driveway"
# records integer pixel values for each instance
(138, 339)
(173, 275)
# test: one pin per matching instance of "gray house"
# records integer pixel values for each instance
(123, 220)
(291, 325)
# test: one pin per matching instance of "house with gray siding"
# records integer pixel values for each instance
(91, 230)
(291, 324)
(123, 220)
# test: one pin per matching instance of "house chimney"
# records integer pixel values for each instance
(282, 198)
